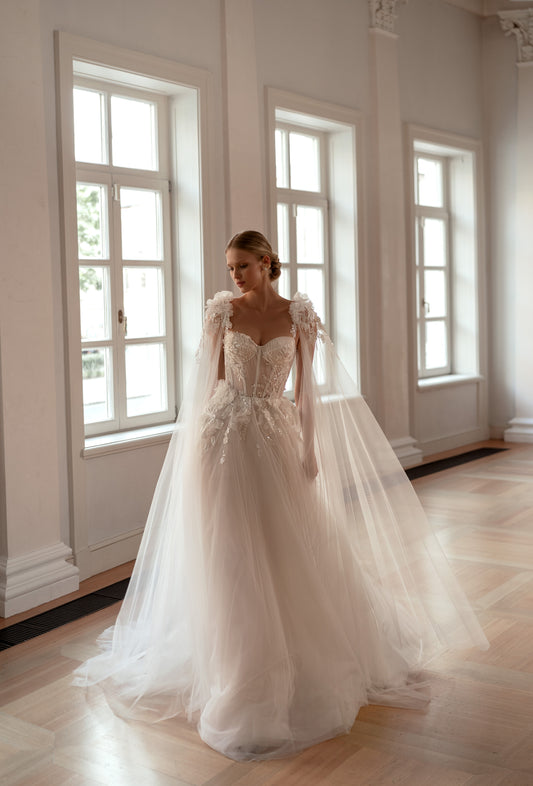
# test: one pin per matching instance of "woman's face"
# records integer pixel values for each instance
(247, 271)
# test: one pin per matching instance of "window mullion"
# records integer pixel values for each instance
(119, 328)
(292, 249)
(421, 296)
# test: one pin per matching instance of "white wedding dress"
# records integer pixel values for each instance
(266, 607)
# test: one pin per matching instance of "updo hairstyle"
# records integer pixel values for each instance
(257, 244)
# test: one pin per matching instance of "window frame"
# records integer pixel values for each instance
(115, 178)
(348, 281)
(442, 213)
(467, 247)
(293, 198)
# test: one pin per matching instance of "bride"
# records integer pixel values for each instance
(287, 574)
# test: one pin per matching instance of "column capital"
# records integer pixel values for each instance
(383, 14)
(520, 24)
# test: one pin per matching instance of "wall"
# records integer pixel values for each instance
(314, 48)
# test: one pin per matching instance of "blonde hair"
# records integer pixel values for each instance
(257, 244)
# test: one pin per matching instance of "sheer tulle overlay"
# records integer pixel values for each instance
(267, 607)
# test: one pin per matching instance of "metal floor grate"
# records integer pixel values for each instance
(68, 612)
(451, 461)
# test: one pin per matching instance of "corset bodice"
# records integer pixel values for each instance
(255, 370)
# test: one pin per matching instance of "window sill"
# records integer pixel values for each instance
(127, 440)
(448, 380)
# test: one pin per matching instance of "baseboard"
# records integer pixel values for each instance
(453, 441)
(407, 451)
(107, 554)
(519, 430)
(35, 578)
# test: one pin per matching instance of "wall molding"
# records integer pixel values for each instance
(407, 451)
(106, 554)
(384, 14)
(520, 24)
(35, 578)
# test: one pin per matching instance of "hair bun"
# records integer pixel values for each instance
(275, 266)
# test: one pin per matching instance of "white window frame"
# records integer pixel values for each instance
(114, 178)
(293, 198)
(339, 128)
(424, 316)
(189, 153)
(466, 250)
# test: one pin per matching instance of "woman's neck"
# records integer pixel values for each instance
(260, 299)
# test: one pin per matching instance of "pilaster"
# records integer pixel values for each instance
(245, 145)
(388, 232)
(34, 564)
(520, 429)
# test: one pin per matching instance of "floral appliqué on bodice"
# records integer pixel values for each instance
(255, 378)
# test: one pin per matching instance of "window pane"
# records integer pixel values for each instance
(146, 379)
(429, 182)
(283, 233)
(311, 281)
(97, 385)
(435, 293)
(133, 133)
(420, 346)
(284, 282)
(434, 242)
(144, 301)
(140, 212)
(89, 126)
(282, 175)
(92, 223)
(304, 162)
(309, 236)
(436, 345)
(94, 303)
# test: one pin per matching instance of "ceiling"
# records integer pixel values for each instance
(488, 7)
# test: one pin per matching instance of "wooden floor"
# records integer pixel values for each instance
(477, 730)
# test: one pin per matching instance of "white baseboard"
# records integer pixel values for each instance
(110, 553)
(38, 577)
(519, 430)
(407, 451)
(461, 440)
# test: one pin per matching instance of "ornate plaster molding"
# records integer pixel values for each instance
(383, 14)
(520, 24)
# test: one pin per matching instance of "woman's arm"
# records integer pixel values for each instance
(305, 408)
(221, 364)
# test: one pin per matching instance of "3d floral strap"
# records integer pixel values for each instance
(304, 317)
(218, 313)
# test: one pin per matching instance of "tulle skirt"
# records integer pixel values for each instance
(250, 609)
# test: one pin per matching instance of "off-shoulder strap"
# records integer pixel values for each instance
(218, 312)
(304, 316)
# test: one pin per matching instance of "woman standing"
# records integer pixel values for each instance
(287, 574)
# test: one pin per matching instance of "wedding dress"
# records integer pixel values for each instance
(265, 606)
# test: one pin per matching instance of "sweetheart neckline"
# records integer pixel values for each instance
(260, 346)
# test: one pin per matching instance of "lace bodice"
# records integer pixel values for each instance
(254, 370)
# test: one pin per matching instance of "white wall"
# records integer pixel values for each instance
(441, 67)
(455, 74)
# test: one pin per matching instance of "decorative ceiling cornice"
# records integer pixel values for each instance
(383, 14)
(520, 24)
